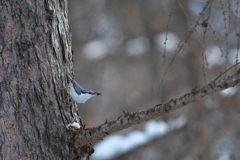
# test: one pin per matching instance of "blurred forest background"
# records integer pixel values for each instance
(119, 50)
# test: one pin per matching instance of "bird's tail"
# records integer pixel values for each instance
(70, 78)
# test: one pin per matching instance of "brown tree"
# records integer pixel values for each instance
(35, 55)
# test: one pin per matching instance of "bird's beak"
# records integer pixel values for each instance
(98, 94)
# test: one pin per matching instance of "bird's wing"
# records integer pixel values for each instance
(76, 86)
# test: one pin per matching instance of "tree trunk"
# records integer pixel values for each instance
(35, 56)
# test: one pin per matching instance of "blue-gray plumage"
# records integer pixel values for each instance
(78, 93)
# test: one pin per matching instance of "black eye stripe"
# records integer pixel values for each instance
(87, 92)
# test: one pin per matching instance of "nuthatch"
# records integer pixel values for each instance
(78, 93)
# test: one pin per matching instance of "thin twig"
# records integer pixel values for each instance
(226, 71)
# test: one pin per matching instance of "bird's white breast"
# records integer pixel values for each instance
(82, 98)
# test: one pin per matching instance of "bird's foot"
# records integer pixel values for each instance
(70, 103)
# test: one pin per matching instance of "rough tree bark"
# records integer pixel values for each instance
(35, 55)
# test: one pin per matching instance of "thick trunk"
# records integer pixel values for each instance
(35, 55)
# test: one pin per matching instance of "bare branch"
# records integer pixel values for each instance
(83, 137)
(225, 71)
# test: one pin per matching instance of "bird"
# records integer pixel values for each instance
(78, 93)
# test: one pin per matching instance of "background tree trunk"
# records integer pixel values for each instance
(35, 55)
